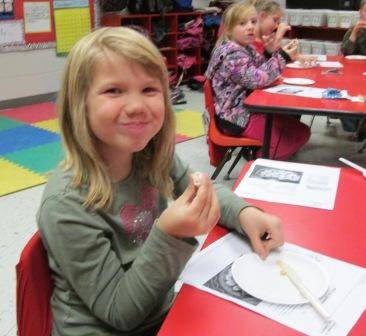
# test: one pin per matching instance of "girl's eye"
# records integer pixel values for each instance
(113, 91)
(150, 89)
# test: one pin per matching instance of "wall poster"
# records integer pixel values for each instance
(6, 9)
(37, 17)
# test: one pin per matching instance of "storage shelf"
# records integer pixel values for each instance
(168, 45)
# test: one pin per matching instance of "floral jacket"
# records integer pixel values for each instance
(234, 72)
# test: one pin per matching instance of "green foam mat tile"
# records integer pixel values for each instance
(40, 159)
(7, 123)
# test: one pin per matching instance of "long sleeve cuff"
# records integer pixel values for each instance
(285, 55)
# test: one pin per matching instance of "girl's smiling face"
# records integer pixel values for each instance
(243, 32)
(125, 106)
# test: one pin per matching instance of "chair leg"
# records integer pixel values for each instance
(362, 148)
(360, 129)
(240, 154)
(312, 120)
(226, 158)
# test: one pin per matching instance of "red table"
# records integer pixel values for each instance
(351, 79)
(340, 233)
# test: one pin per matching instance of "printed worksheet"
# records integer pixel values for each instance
(290, 183)
(297, 90)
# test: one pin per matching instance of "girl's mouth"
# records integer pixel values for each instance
(133, 127)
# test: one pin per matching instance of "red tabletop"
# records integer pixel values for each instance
(351, 79)
(340, 233)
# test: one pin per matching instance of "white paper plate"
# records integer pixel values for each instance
(356, 57)
(298, 81)
(263, 279)
(298, 65)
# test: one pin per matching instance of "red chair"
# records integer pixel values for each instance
(34, 286)
(222, 143)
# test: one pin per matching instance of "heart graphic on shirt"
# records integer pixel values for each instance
(137, 220)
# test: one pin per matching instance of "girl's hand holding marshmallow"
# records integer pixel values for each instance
(194, 213)
(292, 49)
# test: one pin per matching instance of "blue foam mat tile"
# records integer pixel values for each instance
(24, 137)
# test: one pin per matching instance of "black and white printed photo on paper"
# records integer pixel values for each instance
(276, 174)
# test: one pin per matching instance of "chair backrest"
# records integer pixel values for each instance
(213, 130)
(34, 286)
(209, 99)
(215, 152)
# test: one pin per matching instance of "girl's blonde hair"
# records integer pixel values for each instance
(266, 6)
(153, 163)
(362, 3)
(232, 15)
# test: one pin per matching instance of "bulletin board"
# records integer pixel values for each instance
(31, 24)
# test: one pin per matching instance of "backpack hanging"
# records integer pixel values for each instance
(164, 6)
(183, 5)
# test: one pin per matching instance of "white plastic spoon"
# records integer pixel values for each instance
(354, 165)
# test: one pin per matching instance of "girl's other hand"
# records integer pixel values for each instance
(264, 230)
(292, 49)
(282, 29)
(194, 213)
(269, 43)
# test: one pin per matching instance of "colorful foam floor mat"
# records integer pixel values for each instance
(30, 143)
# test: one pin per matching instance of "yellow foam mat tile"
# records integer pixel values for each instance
(14, 178)
(189, 123)
(49, 125)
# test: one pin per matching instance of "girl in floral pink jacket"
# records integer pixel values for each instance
(236, 69)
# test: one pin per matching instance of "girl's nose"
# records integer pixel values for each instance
(134, 104)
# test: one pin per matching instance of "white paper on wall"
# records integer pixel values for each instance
(11, 32)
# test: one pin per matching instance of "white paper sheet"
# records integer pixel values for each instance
(210, 271)
(328, 64)
(319, 62)
(11, 32)
(290, 183)
(296, 90)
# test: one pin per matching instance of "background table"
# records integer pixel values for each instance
(340, 234)
(351, 79)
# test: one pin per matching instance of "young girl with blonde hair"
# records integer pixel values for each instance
(115, 247)
(270, 31)
(236, 68)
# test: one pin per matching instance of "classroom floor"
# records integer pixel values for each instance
(327, 144)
